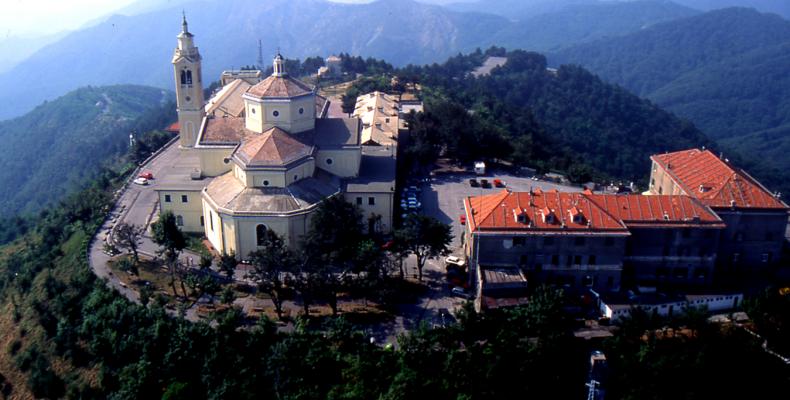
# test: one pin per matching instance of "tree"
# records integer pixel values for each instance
(127, 265)
(129, 237)
(205, 262)
(399, 249)
(271, 265)
(330, 246)
(227, 264)
(425, 237)
(172, 242)
(335, 231)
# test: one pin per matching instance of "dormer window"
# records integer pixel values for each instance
(576, 215)
(520, 216)
(548, 215)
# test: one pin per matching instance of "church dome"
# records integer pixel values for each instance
(279, 87)
(273, 148)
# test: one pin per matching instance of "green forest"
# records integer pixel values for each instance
(725, 70)
(566, 119)
(58, 147)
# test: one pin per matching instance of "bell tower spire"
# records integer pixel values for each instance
(189, 86)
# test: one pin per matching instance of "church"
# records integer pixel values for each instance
(263, 153)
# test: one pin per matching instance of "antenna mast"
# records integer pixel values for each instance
(260, 55)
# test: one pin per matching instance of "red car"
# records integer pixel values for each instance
(388, 245)
(462, 219)
(146, 175)
(498, 183)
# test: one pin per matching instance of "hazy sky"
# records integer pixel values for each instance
(22, 17)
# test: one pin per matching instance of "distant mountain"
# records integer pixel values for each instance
(517, 9)
(14, 49)
(725, 70)
(58, 146)
(781, 7)
(587, 21)
(137, 49)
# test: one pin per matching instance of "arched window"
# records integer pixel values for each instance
(186, 77)
(179, 220)
(260, 234)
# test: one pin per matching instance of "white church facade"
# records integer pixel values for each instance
(262, 153)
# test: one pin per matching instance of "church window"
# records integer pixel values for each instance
(252, 110)
(329, 161)
(179, 220)
(211, 221)
(184, 198)
(202, 221)
(167, 198)
(265, 183)
(359, 201)
(260, 234)
(187, 98)
(186, 77)
(301, 111)
(296, 177)
(276, 113)
(371, 201)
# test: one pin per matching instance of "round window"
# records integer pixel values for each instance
(301, 111)
(265, 183)
(276, 113)
(252, 110)
(329, 161)
(187, 98)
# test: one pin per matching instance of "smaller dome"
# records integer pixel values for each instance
(272, 148)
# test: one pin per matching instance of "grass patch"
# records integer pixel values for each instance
(195, 243)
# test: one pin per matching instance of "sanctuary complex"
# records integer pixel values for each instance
(263, 153)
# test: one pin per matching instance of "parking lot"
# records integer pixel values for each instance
(443, 197)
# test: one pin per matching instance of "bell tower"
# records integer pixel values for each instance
(189, 87)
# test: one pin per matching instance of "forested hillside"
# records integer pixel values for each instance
(568, 120)
(725, 70)
(56, 148)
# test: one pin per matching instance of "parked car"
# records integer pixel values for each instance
(454, 261)
(147, 175)
(460, 292)
(141, 181)
(462, 219)
(484, 183)
(498, 183)
(473, 182)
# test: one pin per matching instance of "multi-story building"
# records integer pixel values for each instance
(262, 154)
(755, 218)
(591, 240)
(703, 218)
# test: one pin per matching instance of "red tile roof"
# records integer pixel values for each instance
(584, 212)
(636, 210)
(173, 128)
(279, 87)
(500, 212)
(714, 181)
(275, 147)
(224, 130)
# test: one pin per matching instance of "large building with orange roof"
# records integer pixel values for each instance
(755, 218)
(591, 240)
